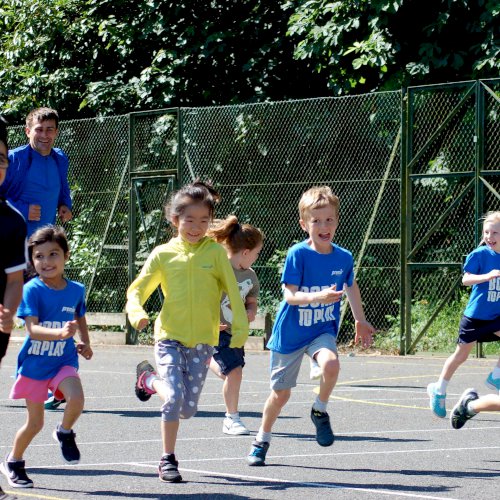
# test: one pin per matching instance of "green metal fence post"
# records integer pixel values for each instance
(132, 242)
(403, 231)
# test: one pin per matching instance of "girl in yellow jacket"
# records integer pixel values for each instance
(193, 271)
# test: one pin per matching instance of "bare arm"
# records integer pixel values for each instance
(294, 297)
(251, 307)
(364, 330)
(83, 347)
(38, 332)
(12, 298)
(476, 279)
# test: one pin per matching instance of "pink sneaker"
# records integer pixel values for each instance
(142, 391)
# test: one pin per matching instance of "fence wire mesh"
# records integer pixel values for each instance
(262, 157)
(453, 167)
(98, 234)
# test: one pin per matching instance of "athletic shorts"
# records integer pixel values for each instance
(478, 330)
(228, 358)
(36, 390)
(285, 367)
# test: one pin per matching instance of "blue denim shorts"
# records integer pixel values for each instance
(228, 358)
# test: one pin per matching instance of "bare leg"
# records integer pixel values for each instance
(330, 368)
(455, 360)
(169, 432)
(72, 389)
(490, 402)
(274, 404)
(231, 389)
(215, 368)
(33, 425)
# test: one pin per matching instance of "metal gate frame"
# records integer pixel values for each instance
(477, 182)
(164, 176)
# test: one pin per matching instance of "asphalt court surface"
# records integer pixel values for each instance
(388, 445)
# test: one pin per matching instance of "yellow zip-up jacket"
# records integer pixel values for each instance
(192, 279)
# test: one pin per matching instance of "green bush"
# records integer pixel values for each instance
(441, 335)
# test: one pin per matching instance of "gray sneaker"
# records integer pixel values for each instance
(459, 414)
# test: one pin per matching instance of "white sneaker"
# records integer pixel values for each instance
(234, 427)
(315, 373)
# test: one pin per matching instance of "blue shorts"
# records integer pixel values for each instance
(478, 330)
(228, 358)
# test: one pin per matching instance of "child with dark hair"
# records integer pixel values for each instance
(53, 309)
(192, 271)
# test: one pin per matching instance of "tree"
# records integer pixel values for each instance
(366, 45)
(101, 57)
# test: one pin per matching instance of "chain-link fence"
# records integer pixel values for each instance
(261, 157)
(99, 154)
(452, 168)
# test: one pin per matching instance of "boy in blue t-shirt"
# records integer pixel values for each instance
(481, 319)
(315, 276)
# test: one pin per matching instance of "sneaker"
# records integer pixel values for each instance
(324, 433)
(257, 455)
(493, 383)
(144, 369)
(4, 496)
(459, 414)
(16, 474)
(53, 403)
(315, 373)
(234, 427)
(168, 471)
(437, 402)
(69, 450)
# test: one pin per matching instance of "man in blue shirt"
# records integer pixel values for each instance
(37, 179)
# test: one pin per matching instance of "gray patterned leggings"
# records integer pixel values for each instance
(183, 371)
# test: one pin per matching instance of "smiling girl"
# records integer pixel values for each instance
(481, 319)
(192, 271)
(53, 309)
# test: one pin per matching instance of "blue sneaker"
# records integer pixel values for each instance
(53, 403)
(257, 455)
(493, 383)
(437, 402)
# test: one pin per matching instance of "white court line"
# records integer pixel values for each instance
(487, 428)
(371, 491)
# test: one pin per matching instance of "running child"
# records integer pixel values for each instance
(470, 404)
(53, 309)
(243, 243)
(316, 274)
(193, 271)
(481, 319)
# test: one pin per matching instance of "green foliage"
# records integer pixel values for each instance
(367, 45)
(103, 57)
(442, 334)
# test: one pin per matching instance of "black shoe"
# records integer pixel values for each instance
(141, 390)
(459, 415)
(257, 455)
(4, 496)
(69, 450)
(16, 474)
(168, 471)
(324, 433)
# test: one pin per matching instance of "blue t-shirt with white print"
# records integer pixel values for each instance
(297, 326)
(484, 300)
(42, 359)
